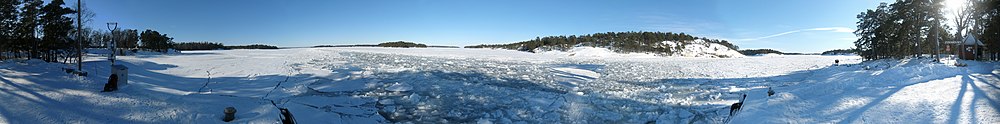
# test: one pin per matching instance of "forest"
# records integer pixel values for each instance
(403, 44)
(54, 31)
(619, 41)
(915, 27)
(217, 46)
(33, 29)
(840, 52)
(398, 44)
(760, 51)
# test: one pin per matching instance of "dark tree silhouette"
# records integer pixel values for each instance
(56, 27)
(153, 40)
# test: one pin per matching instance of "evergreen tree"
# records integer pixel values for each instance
(27, 39)
(56, 27)
(8, 21)
(988, 16)
(127, 39)
(199, 46)
(624, 42)
(401, 44)
(900, 29)
(155, 41)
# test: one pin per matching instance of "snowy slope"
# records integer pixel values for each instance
(445, 85)
(696, 48)
(700, 48)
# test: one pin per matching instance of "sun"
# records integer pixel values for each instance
(954, 5)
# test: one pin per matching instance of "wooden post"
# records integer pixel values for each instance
(79, 36)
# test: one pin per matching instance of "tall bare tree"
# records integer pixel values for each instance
(963, 18)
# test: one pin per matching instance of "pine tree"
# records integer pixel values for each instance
(56, 27)
(900, 29)
(127, 39)
(8, 21)
(155, 41)
(27, 39)
(990, 13)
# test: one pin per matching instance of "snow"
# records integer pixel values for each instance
(768, 55)
(696, 48)
(972, 40)
(400, 87)
(455, 85)
(596, 52)
(577, 73)
(349, 85)
(908, 91)
(700, 48)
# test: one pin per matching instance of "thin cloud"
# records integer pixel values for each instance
(834, 29)
(849, 38)
(673, 23)
(831, 29)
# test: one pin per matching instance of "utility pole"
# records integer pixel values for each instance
(79, 36)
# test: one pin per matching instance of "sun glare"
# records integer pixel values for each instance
(954, 5)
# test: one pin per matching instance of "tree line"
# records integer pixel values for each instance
(403, 44)
(840, 52)
(914, 27)
(33, 29)
(217, 46)
(620, 41)
(759, 52)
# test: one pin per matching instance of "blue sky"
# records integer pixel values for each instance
(786, 25)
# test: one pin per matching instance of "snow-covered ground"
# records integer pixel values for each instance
(455, 85)
(908, 91)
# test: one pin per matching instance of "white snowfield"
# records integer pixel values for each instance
(453, 85)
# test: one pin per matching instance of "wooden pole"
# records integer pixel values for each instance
(79, 36)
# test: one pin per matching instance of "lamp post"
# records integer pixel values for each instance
(112, 44)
